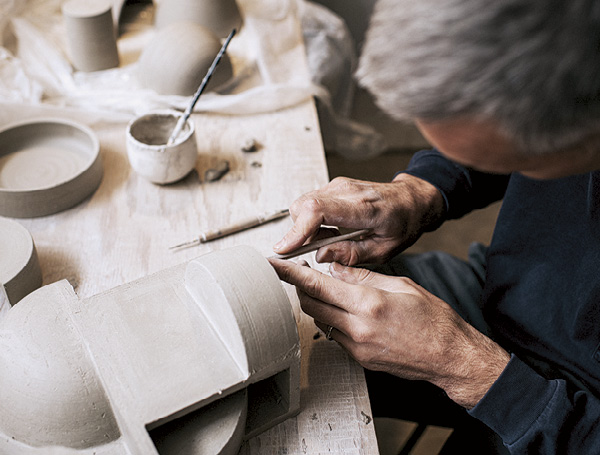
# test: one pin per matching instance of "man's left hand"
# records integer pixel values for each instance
(392, 324)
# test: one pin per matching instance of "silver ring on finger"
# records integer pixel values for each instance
(328, 334)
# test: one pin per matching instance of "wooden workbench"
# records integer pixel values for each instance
(124, 231)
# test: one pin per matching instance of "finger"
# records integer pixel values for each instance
(353, 252)
(364, 277)
(335, 335)
(308, 215)
(321, 311)
(314, 283)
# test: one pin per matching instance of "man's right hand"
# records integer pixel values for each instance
(397, 214)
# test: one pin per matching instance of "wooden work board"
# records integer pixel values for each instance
(124, 230)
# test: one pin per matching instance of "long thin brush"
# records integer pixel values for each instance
(190, 108)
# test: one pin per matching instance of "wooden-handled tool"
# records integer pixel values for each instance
(248, 223)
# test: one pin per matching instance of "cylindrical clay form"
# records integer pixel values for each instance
(90, 34)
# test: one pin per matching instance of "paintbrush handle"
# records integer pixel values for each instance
(190, 108)
(314, 246)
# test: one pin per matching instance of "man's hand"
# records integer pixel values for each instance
(396, 212)
(391, 324)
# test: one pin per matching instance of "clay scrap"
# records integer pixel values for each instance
(152, 366)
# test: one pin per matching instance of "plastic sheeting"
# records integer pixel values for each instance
(35, 69)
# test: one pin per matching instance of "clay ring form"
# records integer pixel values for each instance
(47, 166)
(20, 272)
(328, 334)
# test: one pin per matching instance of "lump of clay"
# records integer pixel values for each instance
(178, 57)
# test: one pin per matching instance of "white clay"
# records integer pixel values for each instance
(90, 34)
(145, 365)
(219, 16)
(148, 153)
(20, 272)
(46, 166)
(176, 60)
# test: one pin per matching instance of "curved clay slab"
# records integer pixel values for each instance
(20, 272)
(219, 16)
(178, 57)
(46, 166)
(49, 378)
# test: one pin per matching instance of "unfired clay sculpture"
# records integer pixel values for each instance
(91, 34)
(219, 16)
(176, 60)
(20, 272)
(148, 152)
(47, 166)
(189, 360)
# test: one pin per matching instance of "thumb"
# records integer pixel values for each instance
(364, 277)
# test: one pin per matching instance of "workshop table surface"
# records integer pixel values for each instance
(124, 230)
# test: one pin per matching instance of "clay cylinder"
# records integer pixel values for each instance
(148, 152)
(90, 34)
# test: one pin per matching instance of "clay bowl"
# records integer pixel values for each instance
(178, 57)
(20, 272)
(148, 153)
(47, 166)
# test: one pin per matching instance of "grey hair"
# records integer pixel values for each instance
(533, 66)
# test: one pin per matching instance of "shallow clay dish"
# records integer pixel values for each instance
(46, 166)
(20, 272)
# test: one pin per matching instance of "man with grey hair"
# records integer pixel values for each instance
(509, 94)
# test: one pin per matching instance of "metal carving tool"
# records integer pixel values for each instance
(234, 228)
(190, 108)
(314, 246)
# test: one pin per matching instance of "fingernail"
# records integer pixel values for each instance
(279, 245)
(335, 267)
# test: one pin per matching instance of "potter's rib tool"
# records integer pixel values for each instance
(314, 246)
(188, 111)
(234, 228)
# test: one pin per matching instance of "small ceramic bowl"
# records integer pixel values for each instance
(148, 152)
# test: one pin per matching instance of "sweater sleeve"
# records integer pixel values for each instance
(534, 415)
(463, 189)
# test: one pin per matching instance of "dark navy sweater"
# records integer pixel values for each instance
(542, 301)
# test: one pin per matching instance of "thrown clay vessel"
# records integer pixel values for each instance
(220, 16)
(176, 60)
(47, 166)
(20, 272)
(189, 360)
(90, 34)
(148, 152)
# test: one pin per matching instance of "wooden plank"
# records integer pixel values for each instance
(124, 231)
